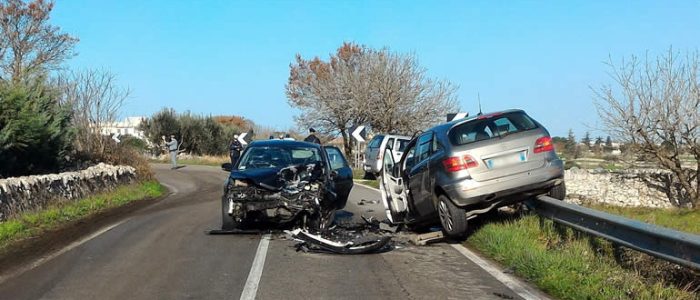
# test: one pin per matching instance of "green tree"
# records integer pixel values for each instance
(608, 144)
(163, 123)
(571, 150)
(35, 131)
(198, 134)
(586, 140)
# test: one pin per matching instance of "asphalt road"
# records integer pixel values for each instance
(162, 252)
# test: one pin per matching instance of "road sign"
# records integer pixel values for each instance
(241, 138)
(115, 137)
(359, 133)
(456, 116)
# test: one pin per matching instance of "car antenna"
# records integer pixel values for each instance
(478, 97)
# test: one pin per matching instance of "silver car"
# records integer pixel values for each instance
(455, 171)
(375, 150)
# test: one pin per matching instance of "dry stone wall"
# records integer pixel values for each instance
(28, 193)
(638, 188)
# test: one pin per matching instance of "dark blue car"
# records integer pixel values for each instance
(286, 182)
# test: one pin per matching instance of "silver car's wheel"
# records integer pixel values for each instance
(452, 218)
(558, 191)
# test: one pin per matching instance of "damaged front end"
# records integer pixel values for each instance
(293, 196)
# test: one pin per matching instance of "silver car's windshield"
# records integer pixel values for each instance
(278, 157)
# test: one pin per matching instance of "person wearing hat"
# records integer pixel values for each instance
(312, 138)
(235, 149)
(172, 148)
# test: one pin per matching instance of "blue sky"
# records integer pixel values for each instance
(232, 57)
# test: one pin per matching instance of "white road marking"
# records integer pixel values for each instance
(55, 254)
(172, 188)
(523, 290)
(251, 284)
(366, 186)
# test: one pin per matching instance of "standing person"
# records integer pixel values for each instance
(312, 138)
(235, 149)
(172, 148)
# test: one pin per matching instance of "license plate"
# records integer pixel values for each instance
(506, 160)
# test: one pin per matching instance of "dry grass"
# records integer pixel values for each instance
(186, 159)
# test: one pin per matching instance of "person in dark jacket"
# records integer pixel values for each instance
(312, 138)
(235, 149)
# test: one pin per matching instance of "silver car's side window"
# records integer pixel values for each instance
(424, 146)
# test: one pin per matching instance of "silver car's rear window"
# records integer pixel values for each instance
(490, 126)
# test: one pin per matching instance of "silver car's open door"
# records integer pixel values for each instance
(392, 188)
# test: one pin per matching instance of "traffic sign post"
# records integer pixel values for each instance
(359, 133)
(241, 138)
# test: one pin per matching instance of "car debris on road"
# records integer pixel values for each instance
(362, 244)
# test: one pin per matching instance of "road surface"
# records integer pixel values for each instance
(162, 252)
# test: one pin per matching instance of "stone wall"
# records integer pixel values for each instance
(27, 193)
(642, 188)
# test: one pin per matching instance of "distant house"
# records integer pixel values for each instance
(126, 127)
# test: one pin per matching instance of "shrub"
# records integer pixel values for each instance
(35, 131)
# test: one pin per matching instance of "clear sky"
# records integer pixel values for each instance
(232, 57)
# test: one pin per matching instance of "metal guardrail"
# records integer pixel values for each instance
(671, 245)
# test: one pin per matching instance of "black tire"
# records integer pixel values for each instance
(452, 218)
(558, 191)
(369, 176)
(227, 221)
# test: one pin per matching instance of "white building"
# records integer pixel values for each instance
(127, 127)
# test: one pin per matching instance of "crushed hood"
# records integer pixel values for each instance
(264, 177)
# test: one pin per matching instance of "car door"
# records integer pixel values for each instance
(393, 189)
(418, 175)
(342, 174)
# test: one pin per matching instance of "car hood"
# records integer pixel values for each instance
(264, 177)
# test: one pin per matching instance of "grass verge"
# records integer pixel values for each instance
(206, 160)
(34, 223)
(358, 176)
(685, 220)
(372, 183)
(565, 264)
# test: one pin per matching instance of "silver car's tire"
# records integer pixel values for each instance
(369, 176)
(558, 191)
(452, 218)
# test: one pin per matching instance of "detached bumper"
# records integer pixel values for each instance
(506, 189)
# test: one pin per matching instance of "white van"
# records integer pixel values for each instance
(372, 164)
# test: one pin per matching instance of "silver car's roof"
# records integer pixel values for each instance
(447, 126)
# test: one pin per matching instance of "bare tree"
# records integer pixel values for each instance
(29, 45)
(402, 98)
(656, 110)
(96, 101)
(326, 92)
(359, 85)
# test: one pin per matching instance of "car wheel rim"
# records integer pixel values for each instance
(445, 216)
